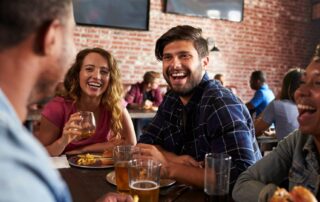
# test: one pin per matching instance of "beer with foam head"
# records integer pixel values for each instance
(145, 190)
(144, 179)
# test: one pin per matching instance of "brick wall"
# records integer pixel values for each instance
(274, 36)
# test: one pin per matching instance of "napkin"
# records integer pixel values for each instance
(60, 162)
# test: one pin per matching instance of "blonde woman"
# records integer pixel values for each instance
(92, 84)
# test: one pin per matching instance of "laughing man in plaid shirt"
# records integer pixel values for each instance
(197, 116)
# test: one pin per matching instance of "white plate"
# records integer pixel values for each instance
(111, 178)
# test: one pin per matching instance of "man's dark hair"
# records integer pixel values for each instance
(182, 32)
(258, 75)
(20, 18)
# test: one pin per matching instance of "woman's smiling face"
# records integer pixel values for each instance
(94, 75)
(307, 99)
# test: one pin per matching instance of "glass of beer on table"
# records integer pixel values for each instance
(144, 180)
(216, 177)
(122, 154)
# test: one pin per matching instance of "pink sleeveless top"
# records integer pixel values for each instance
(58, 111)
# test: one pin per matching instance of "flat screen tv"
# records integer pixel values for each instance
(217, 9)
(126, 14)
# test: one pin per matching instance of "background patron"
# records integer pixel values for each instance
(146, 94)
(263, 95)
(282, 112)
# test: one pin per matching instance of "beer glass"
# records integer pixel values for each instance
(216, 178)
(144, 179)
(122, 154)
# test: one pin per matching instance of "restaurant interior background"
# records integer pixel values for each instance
(273, 36)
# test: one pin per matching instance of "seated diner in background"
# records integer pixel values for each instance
(263, 95)
(296, 158)
(282, 112)
(93, 83)
(219, 77)
(147, 94)
(197, 116)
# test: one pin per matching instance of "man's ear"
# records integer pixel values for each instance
(205, 62)
(47, 38)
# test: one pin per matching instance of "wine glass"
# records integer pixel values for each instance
(87, 124)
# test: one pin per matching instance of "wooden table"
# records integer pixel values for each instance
(87, 185)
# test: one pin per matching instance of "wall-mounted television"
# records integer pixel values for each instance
(125, 14)
(217, 9)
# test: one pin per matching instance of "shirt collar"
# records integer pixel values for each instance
(198, 91)
(6, 107)
(309, 146)
(264, 86)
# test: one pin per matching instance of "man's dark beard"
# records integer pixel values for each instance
(185, 94)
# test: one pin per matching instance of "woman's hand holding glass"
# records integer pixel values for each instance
(80, 125)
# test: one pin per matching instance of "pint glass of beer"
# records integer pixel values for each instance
(122, 154)
(144, 179)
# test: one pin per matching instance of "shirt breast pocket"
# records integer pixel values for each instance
(296, 175)
(300, 175)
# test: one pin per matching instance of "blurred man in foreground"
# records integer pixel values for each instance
(36, 43)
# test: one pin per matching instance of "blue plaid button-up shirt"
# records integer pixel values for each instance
(214, 120)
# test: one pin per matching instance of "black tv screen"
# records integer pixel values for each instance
(130, 14)
(217, 9)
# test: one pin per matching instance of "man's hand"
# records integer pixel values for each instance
(186, 160)
(183, 159)
(148, 151)
(115, 197)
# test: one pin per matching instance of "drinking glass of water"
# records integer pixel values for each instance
(217, 177)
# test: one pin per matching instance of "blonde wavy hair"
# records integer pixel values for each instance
(111, 98)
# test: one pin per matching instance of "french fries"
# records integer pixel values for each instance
(91, 159)
(86, 159)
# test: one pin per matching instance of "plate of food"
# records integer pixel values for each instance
(90, 160)
(111, 178)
